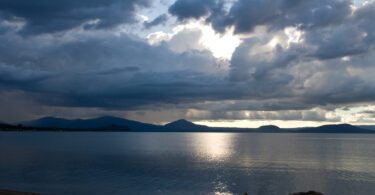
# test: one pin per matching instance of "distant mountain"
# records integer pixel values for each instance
(4, 125)
(106, 122)
(8, 127)
(340, 128)
(109, 123)
(269, 128)
(371, 127)
(49, 122)
(183, 124)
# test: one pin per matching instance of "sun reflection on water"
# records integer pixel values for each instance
(214, 146)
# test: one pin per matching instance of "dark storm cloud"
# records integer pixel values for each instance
(331, 65)
(162, 19)
(195, 9)
(354, 37)
(141, 89)
(299, 73)
(320, 69)
(185, 9)
(44, 16)
(113, 71)
(245, 15)
(263, 66)
(14, 74)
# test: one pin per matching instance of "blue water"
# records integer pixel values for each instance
(186, 163)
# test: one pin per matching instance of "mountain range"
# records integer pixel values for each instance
(106, 122)
(110, 123)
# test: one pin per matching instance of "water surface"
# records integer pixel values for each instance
(186, 163)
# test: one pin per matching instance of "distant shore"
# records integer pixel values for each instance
(13, 192)
(115, 124)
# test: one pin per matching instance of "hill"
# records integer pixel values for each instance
(183, 125)
(269, 128)
(340, 128)
(371, 127)
(106, 122)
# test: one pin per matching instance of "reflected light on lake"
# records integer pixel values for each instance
(213, 146)
(187, 163)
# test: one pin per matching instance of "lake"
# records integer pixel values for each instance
(186, 163)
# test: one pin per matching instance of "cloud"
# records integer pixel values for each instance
(304, 115)
(13, 74)
(161, 19)
(245, 15)
(16, 105)
(185, 9)
(280, 72)
(323, 68)
(297, 61)
(48, 17)
(125, 71)
(197, 36)
(355, 36)
(186, 39)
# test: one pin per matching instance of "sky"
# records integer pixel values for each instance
(237, 63)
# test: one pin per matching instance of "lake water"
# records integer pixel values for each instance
(187, 163)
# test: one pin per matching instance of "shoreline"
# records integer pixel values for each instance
(14, 192)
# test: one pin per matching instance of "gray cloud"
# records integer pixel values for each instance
(48, 16)
(305, 115)
(353, 37)
(16, 105)
(327, 66)
(162, 19)
(185, 40)
(126, 72)
(332, 64)
(13, 74)
(245, 15)
(185, 9)
(280, 73)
